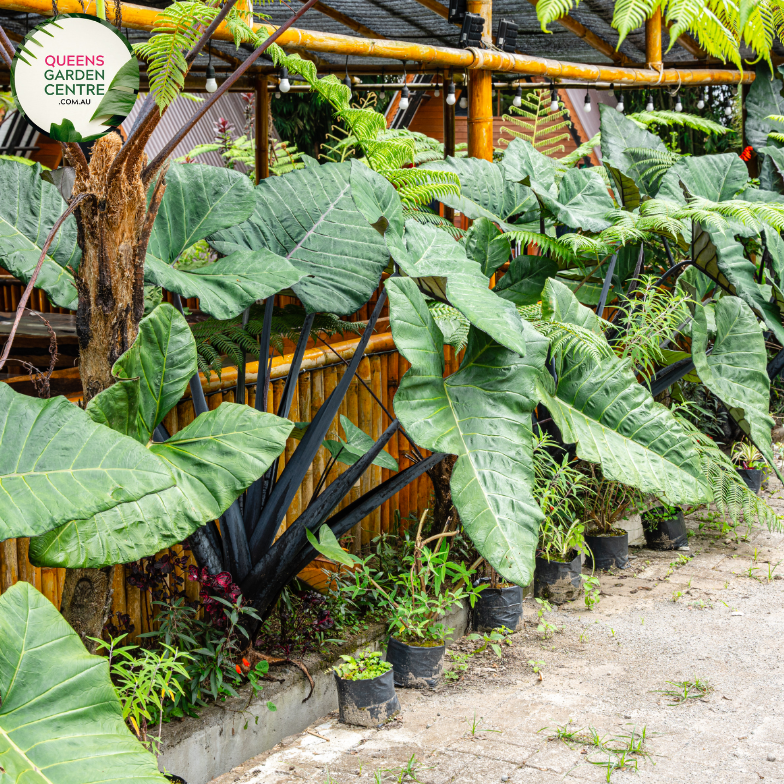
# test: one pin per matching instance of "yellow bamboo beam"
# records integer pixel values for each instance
(141, 18)
(653, 41)
(480, 93)
(347, 21)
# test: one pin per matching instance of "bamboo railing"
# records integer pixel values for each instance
(381, 370)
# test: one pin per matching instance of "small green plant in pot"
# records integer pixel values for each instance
(366, 690)
(664, 527)
(606, 503)
(561, 534)
(750, 464)
(418, 599)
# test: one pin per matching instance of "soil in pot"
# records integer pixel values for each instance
(175, 779)
(367, 703)
(497, 607)
(664, 534)
(752, 477)
(606, 551)
(416, 666)
(558, 581)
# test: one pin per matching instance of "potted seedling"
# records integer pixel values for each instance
(664, 527)
(366, 690)
(603, 507)
(557, 576)
(750, 465)
(418, 599)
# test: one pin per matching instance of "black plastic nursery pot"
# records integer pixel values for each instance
(367, 703)
(497, 607)
(558, 581)
(414, 666)
(175, 779)
(608, 551)
(669, 534)
(752, 477)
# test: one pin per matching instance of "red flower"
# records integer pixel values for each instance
(246, 663)
(746, 154)
(239, 671)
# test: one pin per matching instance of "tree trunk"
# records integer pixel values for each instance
(444, 512)
(113, 232)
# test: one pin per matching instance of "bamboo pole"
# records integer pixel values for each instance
(141, 18)
(385, 472)
(347, 21)
(376, 429)
(480, 94)
(653, 41)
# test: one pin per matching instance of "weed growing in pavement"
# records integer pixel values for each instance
(494, 639)
(676, 595)
(750, 572)
(459, 665)
(544, 626)
(408, 772)
(473, 726)
(592, 589)
(683, 691)
(772, 568)
(536, 667)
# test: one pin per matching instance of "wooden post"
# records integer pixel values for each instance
(449, 136)
(480, 93)
(653, 41)
(262, 128)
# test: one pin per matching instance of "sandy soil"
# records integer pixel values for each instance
(713, 614)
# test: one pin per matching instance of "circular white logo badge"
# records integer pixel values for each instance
(75, 77)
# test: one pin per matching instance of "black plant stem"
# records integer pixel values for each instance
(606, 286)
(239, 395)
(671, 271)
(373, 395)
(296, 362)
(167, 150)
(668, 251)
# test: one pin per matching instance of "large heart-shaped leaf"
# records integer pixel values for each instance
(309, 217)
(163, 358)
(523, 282)
(582, 200)
(486, 193)
(713, 177)
(214, 459)
(620, 134)
(60, 719)
(198, 201)
(482, 414)
(615, 422)
(763, 100)
(230, 285)
(431, 252)
(117, 408)
(736, 369)
(523, 163)
(28, 210)
(57, 464)
(771, 169)
(481, 246)
(718, 255)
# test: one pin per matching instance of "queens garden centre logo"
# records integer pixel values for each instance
(75, 77)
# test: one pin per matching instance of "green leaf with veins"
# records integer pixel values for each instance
(482, 414)
(357, 443)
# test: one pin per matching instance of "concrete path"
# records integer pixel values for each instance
(714, 614)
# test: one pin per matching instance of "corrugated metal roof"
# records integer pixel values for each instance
(229, 106)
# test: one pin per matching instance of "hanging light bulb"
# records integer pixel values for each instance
(554, 100)
(450, 94)
(284, 85)
(437, 91)
(404, 95)
(728, 106)
(703, 98)
(619, 107)
(463, 101)
(587, 102)
(678, 105)
(347, 81)
(649, 104)
(518, 99)
(211, 85)
(277, 93)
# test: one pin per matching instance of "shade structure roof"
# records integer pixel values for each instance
(411, 21)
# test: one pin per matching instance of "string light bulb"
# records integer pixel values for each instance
(284, 85)
(619, 107)
(450, 94)
(404, 98)
(728, 106)
(463, 101)
(554, 100)
(211, 85)
(437, 91)
(518, 99)
(347, 81)
(587, 102)
(649, 104)
(678, 105)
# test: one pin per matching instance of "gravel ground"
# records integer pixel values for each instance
(713, 614)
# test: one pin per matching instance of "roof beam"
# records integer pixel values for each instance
(142, 18)
(352, 24)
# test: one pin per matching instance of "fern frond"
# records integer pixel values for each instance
(670, 118)
(649, 163)
(426, 216)
(548, 246)
(176, 31)
(586, 148)
(453, 324)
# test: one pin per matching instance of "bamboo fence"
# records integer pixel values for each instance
(381, 369)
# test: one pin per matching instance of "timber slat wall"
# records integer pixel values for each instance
(381, 369)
